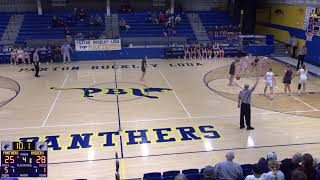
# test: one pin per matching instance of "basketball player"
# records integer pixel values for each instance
(36, 62)
(13, 57)
(264, 64)
(26, 57)
(270, 82)
(65, 51)
(209, 51)
(221, 51)
(186, 51)
(20, 55)
(143, 68)
(302, 73)
(232, 71)
(244, 64)
(288, 75)
(254, 64)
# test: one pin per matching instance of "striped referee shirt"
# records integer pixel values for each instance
(245, 96)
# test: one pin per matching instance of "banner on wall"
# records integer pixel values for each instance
(312, 21)
(98, 45)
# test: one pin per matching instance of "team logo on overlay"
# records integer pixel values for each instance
(120, 91)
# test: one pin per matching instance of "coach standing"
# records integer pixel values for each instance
(244, 105)
(36, 62)
(301, 54)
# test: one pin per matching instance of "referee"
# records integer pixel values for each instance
(244, 105)
(36, 62)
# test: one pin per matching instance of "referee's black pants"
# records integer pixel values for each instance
(36, 67)
(245, 113)
(300, 61)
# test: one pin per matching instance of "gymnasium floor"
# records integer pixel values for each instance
(185, 112)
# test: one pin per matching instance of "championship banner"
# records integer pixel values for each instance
(98, 45)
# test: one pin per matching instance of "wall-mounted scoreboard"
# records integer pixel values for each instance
(24, 159)
(312, 20)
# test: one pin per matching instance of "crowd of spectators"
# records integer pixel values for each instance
(224, 31)
(203, 50)
(168, 20)
(77, 16)
(299, 167)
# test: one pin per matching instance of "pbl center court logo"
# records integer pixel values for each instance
(120, 91)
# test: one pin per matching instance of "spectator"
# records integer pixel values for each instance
(177, 19)
(79, 36)
(98, 20)
(168, 13)
(103, 35)
(75, 15)
(307, 166)
(316, 164)
(56, 53)
(91, 21)
(91, 36)
(208, 173)
(298, 175)
(162, 17)
(228, 169)
(257, 174)
(82, 14)
(294, 44)
(289, 165)
(180, 177)
(274, 172)
(55, 21)
(67, 31)
(122, 24)
(263, 163)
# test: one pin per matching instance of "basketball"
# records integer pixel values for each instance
(238, 77)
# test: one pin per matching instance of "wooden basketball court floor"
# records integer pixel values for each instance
(185, 114)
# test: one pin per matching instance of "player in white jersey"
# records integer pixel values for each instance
(302, 73)
(13, 56)
(20, 54)
(264, 64)
(270, 82)
(244, 64)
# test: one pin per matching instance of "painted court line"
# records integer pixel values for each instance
(158, 119)
(55, 101)
(167, 81)
(298, 100)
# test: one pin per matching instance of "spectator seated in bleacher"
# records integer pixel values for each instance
(308, 167)
(103, 36)
(91, 21)
(208, 173)
(79, 36)
(98, 20)
(91, 36)
(289, 165)
(263, 162)
(298, 175)
(257, 174)
(82, 14)
(123, 25)
(223, 31)
(274, 172)
(162, 17)
(180, 177)
(57, 22)
(228, 169)
(177, 19)
(67, 31)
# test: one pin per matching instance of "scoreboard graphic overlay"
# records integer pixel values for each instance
(24, 159)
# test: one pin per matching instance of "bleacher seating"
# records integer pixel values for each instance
(140, 28)
(40, 27)
(4, 19)
(216, 18)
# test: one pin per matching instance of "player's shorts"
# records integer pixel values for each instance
(269, 83)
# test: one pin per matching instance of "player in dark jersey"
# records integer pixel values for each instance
(143, 68)
(232, 71)
(288, 75)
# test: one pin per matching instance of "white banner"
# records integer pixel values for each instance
(98, 45)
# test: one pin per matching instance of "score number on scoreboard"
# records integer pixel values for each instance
(24, 159)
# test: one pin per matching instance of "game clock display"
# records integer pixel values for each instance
(24, 159)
